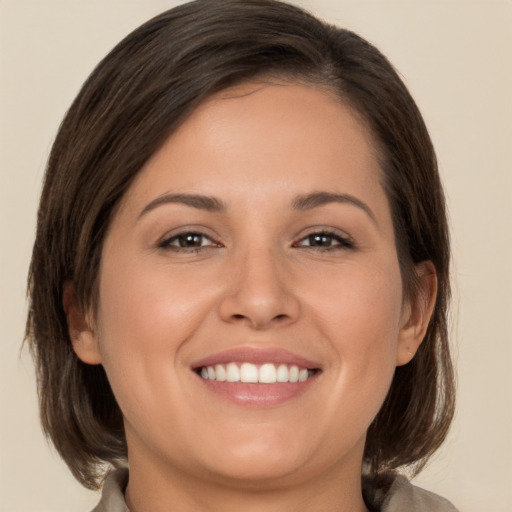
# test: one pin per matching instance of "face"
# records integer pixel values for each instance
(250, 312)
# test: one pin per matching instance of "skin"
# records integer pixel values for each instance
(257, 280)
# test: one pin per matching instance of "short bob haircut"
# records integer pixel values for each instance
(131, 103)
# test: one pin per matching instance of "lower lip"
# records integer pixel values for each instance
(259, 395)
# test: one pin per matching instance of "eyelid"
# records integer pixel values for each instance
(345, 240)
(165, 241)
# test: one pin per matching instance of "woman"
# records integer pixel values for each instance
(239, 284)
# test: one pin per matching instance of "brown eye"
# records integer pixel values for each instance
(320, 240)
(187, 240)
(326, 240)
(190, 240)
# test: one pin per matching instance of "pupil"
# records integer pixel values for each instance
(320, 240)
(190, 240)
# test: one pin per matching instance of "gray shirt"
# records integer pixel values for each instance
(401, 497)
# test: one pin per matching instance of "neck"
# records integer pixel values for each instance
(156, 488)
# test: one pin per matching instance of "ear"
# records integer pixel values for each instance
(80, 327)
(416, 313)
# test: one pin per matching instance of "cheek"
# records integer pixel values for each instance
(359, 317)
(145, 317)
(362, 307)
(151, 303)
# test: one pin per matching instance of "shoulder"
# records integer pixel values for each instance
(400, 495)
(112, 496)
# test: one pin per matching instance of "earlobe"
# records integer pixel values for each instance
(80, 327)
(417, 313)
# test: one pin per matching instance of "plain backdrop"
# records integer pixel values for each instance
(456, 58)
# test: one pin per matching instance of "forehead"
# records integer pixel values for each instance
(257, 134)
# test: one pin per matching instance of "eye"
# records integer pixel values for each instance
(326, 240)
(189, 240)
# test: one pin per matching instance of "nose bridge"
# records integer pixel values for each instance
(259, 291)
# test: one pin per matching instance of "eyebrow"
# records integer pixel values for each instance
(207, 203)
(317, 199)
(215, 205)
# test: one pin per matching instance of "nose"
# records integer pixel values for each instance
(260, 292)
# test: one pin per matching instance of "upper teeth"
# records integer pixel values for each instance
(267, 373)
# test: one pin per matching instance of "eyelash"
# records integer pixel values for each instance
(343, 242)
(168, 242)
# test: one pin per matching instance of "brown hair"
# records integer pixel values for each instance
(125, 111)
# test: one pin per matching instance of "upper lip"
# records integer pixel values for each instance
(256, 356)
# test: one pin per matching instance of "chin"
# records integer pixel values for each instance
(254, 458)
(254, 471)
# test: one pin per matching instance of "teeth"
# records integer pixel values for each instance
(232, 373)
(220, 373)
(267, 373)
(282, 373)
(248, 372)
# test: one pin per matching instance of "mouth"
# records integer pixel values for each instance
(250, 373)
(257, 377)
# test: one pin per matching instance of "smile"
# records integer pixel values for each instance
(267, 373)
(257, 377)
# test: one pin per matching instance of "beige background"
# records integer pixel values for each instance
(456, 57)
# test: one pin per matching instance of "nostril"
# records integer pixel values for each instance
(278, 319)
